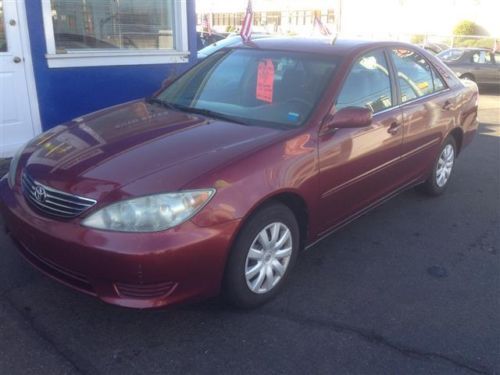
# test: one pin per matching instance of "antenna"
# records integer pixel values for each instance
(335, 38)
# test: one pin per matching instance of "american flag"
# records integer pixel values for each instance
(321, 27)
(246, 27)
(206, 25)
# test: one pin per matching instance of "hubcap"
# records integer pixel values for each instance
(445, 165)
(268, 258)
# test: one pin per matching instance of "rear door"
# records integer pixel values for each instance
(358, 166)
(429, 110)
(484, 67)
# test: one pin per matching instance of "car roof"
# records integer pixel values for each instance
(470, 49)
(320, 45)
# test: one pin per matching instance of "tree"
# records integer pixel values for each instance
(465, 28)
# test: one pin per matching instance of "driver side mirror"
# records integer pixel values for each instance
(349, 117)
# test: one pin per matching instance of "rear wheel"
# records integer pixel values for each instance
(262, 257)
(442, 170)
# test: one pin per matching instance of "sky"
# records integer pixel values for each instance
(405, 16)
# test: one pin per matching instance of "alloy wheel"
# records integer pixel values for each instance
(268, 258)
(445, 165)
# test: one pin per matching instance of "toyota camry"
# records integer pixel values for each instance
(218, 181)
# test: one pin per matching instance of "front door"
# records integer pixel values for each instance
(360, 166)
(16, 125)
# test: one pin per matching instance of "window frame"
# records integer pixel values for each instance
(89, 58)
(393, 85)
(394, 70)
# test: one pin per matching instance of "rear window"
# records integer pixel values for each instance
(451, 55)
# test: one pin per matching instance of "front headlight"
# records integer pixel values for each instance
(14, 163)
(153, 213)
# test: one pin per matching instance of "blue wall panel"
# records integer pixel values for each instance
(66, 93)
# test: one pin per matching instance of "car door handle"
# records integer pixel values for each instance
(394, 128)
(447, 105)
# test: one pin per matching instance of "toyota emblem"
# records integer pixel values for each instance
(40, 194)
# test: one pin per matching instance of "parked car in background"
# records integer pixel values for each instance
(476, 64)
(230, 41)
(434, 48)
(218, 181)
(205, 39)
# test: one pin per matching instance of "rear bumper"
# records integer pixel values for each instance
(132, 270)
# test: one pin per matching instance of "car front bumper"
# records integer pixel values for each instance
(151, 270)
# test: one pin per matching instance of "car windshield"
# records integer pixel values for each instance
(254, 87)
(450, 55)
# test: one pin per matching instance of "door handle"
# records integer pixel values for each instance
(394, 128)
(17, 60)
(447, 105)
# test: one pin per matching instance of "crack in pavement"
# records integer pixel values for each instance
(373, 337)
(78, 364)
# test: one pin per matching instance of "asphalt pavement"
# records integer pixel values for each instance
(411, 288)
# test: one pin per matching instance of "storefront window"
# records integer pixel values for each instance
(112, 24)
(3, 39)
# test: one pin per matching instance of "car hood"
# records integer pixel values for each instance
(105, 151)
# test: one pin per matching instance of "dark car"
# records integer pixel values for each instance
(476, 64)
(205, 39)
(218, 181)
(434, 48)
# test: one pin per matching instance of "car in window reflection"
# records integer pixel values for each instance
(480, 65)
(218, 181)
(67, 41)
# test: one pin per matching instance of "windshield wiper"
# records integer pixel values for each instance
(212, 114)
(162, 103)
(199, 111)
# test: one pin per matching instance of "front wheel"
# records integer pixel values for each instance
(262, 257)
(443, 169)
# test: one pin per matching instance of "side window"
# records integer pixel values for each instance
(368, 84)
(416, 77)
(438, 81)
(481, 57)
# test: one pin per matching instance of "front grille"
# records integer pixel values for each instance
(53, 202)
(146, 291)
(64, 275)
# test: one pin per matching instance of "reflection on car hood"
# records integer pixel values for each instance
(107, 150)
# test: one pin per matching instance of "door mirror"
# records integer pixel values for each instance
(350, 117)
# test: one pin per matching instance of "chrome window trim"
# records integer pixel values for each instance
(412, 101)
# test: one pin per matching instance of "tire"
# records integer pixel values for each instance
(442, 170)
(265, 277)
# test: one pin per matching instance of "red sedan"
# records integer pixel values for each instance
(219, 180)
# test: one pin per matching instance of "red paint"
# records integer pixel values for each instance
(137, 149)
